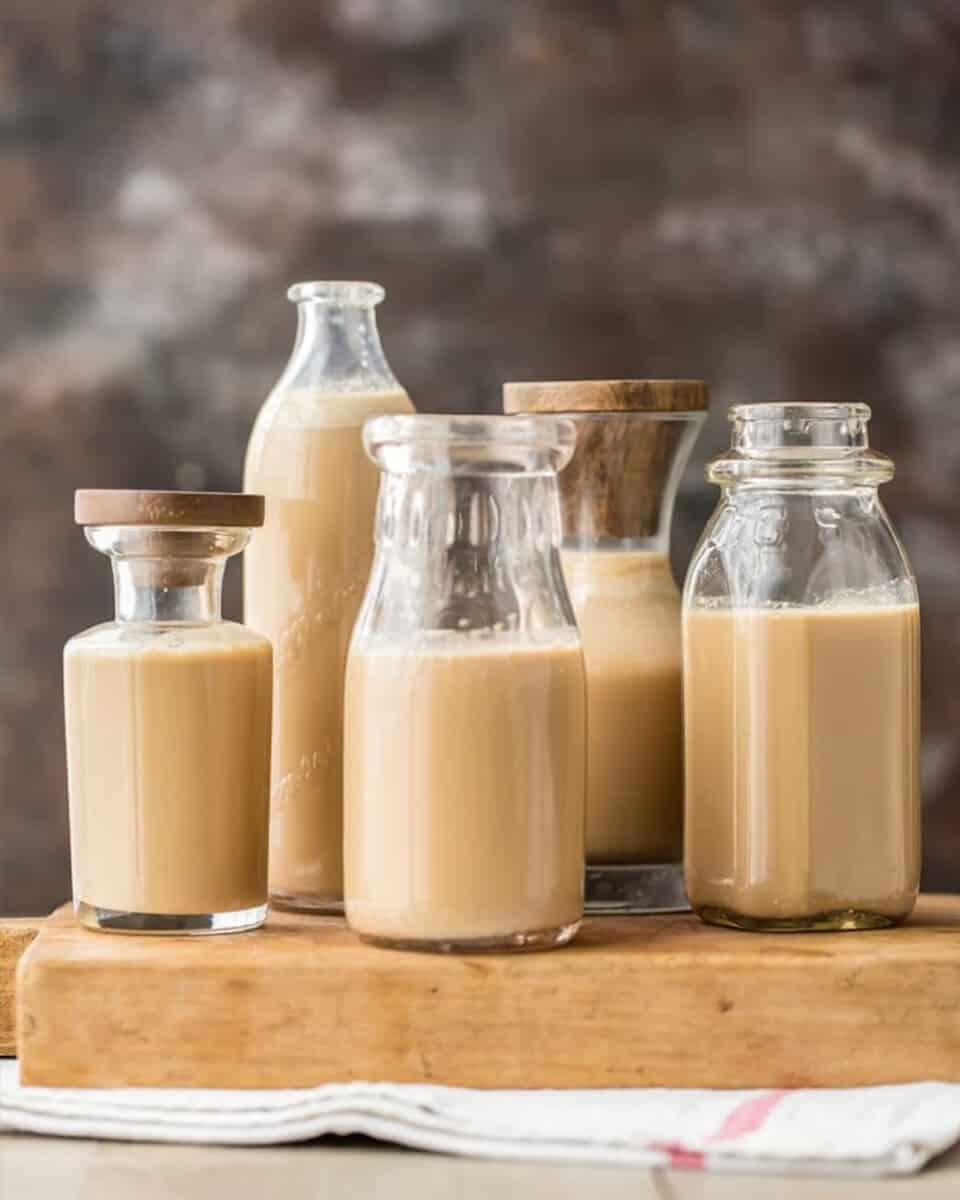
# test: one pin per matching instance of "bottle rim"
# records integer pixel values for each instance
(347, 292)
(813, 410)
(486, 442)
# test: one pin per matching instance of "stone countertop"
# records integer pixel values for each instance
(77, 1169)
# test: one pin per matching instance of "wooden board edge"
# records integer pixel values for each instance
(67, 1004)
(16, 935)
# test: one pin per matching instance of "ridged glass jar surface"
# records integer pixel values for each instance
(465, 707)
(801, 683)
(305, 575)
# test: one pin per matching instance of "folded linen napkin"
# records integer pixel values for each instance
(862, 1131)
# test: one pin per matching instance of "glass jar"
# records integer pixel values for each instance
(465, 707)
(633, 440)
(304, 576)
(801, 683)
(168, 724)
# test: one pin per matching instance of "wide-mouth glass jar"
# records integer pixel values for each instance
(801, 683)
(465, 734)
(168, 723)
(617, 495)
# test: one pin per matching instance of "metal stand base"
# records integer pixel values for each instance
(627, 889)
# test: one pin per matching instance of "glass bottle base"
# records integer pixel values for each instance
(834, 921)
(308, 902)
(619, 889)
(111, 920)
(536, 939)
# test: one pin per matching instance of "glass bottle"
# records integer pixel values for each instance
(168, 723)
(304, 577)
(465, 706)
(633, 440)
(801, 683)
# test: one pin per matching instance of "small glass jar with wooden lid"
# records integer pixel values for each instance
(168, 723)
(633, 439)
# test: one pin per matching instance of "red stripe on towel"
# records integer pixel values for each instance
(680, 1156)
(748, 1117)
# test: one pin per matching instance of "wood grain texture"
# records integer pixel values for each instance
(16, 934)
(633, 1002)
(607, 396)
(127, 506)
(614, 486)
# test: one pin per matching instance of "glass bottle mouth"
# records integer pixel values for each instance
(762, 428)
(800, 441)
(470, 445)
(343, 292)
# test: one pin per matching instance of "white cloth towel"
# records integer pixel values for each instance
(862, 1131)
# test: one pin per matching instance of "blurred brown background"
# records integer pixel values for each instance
(762, 192)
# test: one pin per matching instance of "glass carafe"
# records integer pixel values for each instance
(801, 684)
(633, 441)
(168, 724)
(304, 577)
(465, 723)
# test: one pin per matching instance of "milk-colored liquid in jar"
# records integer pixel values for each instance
(465, 761)
(802, 760)
(628, 611)
(168, 754)
(304, 578)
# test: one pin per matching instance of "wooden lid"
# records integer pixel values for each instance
(607, 395)
(115, 506)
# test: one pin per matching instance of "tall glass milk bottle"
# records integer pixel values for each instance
(305, 577)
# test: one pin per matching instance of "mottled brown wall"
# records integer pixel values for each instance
(762, 192)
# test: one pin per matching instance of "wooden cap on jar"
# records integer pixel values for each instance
(607, 395)
(117, 506)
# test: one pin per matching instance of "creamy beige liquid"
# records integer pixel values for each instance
(464, 788)
(168, 754)
(628, 610)
(802, 752)
(304, 578)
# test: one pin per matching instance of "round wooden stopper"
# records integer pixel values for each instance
(198, 510)
(607, 395)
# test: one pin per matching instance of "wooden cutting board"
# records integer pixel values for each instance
(636, 1001)
(16, 934)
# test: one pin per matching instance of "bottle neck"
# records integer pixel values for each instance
(423, 513)
(167, 574)
(158, 590)
(467, 554)
(338, 343)
(800, 447)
